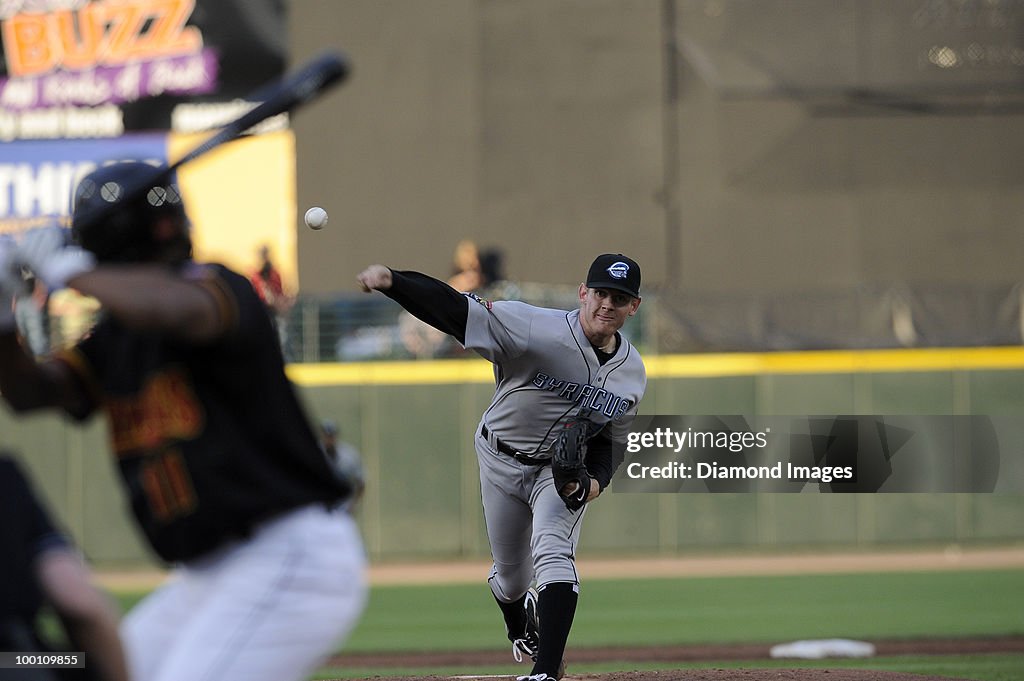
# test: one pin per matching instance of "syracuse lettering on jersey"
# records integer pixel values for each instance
(107, 33)
(587, 396)
(165, 409)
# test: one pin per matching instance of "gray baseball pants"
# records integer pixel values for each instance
(533, 536)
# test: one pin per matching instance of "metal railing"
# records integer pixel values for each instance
(359, 327)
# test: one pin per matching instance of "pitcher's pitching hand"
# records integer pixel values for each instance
(374, 278)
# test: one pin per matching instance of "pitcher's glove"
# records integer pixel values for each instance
(567, 465)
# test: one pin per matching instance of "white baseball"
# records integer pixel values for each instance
(316, 217)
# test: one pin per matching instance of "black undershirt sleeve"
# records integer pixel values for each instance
(599, 459)
(432, 301)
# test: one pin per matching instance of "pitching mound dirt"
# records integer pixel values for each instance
(680, 653)
(716, 675)
(764, 675)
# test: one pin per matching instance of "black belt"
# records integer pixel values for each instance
(509, 451)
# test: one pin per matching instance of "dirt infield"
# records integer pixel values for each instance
(688, 654)
(947, 558)
(764, 675)
(752, 674)
(469, 571)
(758, 675)
(679, 653)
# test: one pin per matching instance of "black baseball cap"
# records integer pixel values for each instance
(615, 271)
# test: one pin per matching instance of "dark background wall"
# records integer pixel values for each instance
(811, 145)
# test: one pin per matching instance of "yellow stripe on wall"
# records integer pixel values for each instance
(393, 373)
(679, 366)
(835, 362)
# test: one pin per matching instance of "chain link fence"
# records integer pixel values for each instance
(356, 327)
(359, 327)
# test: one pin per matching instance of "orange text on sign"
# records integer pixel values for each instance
(99, 34)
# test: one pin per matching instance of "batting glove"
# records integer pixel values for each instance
(46, 252)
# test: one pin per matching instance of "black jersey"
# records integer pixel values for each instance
(211, 439)
(26, 531)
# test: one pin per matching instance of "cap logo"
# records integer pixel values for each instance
(158, 196)
(111, 192)
(618, 270)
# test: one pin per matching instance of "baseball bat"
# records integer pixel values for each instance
(290, 93)
(280, 96)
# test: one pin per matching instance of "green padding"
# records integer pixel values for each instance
(806, 394)
(925, 393)
(423, 493)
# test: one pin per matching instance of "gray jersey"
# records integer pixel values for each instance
(547, 375)
(547, 372)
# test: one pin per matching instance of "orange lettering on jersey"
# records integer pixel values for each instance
(152, 484)
(107, 33)
(165, 409)
(168, 486)
(180, 482)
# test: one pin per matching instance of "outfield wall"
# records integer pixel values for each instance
(413, 423)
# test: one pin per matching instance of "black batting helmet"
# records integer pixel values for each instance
(115, 206)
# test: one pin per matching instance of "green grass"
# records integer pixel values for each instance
(718, 610)
(698, 610)
(981, 667)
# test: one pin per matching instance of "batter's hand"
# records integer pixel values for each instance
(10, 283)
(374, 278)
(48, 254)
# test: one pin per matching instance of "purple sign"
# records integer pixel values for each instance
(100, 68)
(37, 177)
(184, 75)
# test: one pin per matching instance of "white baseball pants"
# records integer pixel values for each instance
(271, 608)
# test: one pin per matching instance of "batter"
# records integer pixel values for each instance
(552, 367)
(220, 464)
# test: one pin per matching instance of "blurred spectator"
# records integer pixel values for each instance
(494, 285)
(424, 341)
(266, 279)
(39, 568)
(30, 311)
(492, 262)
(419, 339)
(344, 457)
(466, 275)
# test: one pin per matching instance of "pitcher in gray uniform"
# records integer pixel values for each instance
(551, 367)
